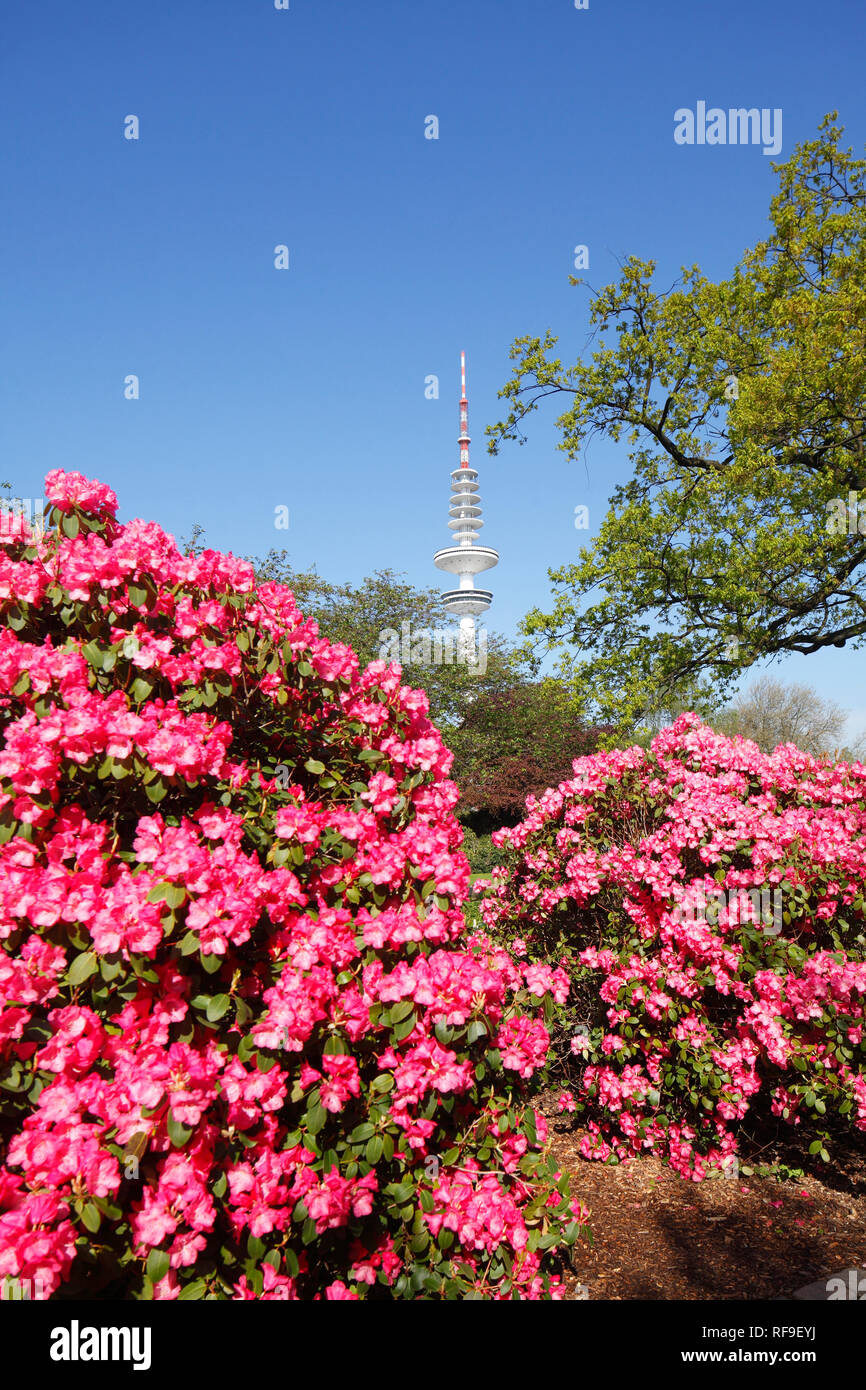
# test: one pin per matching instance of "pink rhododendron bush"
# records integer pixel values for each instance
(246, 1048)
(707, 901)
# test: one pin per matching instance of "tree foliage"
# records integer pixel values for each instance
(515, 744)
(744, 408)
(360, 614)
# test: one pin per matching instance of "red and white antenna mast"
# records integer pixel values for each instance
(463, 439)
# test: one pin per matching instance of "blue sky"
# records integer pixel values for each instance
(306, 127)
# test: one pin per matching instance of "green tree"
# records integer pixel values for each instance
(744, 407)
(360, 615)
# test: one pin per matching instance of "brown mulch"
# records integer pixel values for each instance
(659, 1236)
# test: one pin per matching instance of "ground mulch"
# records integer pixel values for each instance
(659, 1236)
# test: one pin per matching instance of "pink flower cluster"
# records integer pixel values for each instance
(660, 859)
(235, 1014)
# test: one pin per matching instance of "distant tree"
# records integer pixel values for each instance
(190, 544)
(515, 742)
(360, 614)
(509, 735)
(770, 713)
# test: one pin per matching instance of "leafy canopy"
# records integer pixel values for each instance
(743, 406)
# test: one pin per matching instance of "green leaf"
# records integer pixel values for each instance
(316, 1118)
(192, 1291)
(141, 689)
(91, 1217)
(70, 525)
(178, 1134)
(82, 968)
(158, 1265)
(217, 1007)
(155, 790)
(313, 765)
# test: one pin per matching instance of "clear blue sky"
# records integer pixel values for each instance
(305, 127)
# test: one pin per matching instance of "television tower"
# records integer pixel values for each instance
(465, 558)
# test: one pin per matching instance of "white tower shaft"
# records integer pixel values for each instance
(465, 558)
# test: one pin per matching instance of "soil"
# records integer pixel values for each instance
(657, 1235)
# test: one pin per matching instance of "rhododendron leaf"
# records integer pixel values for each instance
(70, 525)
(107, 1208)
(179, 1135)
(314, 766)
(217, 1006)
(156, 790)
(400, 1191)
(82, 968)
(401, 1010)
(374, 1149)
(315, 1119)
(13, 1078)
(188, 943)
(141, 689)
(243, 1012)
(192, 1291)
(91, 1217)
(158, 1265)
(210, 962)
(403, 1030)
